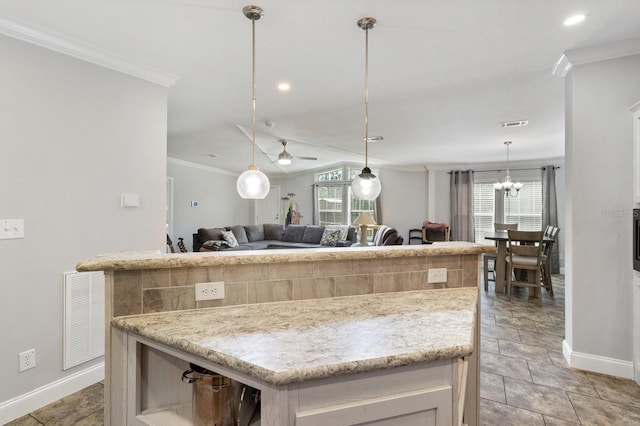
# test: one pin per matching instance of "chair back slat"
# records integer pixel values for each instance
(525, 243)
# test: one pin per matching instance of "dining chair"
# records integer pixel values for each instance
(525, 253)
(493, 256)
(550, 235)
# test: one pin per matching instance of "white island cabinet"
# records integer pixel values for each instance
(383, 359)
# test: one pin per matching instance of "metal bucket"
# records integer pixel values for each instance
(216, 398)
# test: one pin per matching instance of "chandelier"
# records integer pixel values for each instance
(510, 188)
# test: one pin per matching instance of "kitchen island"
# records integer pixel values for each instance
(141, 349)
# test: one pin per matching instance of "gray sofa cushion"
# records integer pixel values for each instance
(294, 233)
(254, 232)
(273, 231)
(209, 234)
(288, 244)
(239, 233)
(312, 234)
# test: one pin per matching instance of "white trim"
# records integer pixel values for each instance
(42, 37)
(500, 165)
(562, 67)
(596, 363)
(38, 398)
(602, 52)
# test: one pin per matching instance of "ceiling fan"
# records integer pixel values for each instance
(284, 158)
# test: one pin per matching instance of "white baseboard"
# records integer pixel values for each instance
(596, 363)
(38, 398)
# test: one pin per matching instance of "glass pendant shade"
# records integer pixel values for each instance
(253, 184)
(366, 186)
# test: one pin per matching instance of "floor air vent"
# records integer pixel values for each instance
(83, 317)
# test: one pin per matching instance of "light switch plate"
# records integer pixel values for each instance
(11, 228)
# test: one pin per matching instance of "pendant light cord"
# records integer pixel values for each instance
(366, 98)
(253, 94)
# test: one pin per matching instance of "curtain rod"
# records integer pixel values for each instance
(503, 170)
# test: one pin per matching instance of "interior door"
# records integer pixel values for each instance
(268, 209)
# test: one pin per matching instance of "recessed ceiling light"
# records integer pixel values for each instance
(575, 19)
(284, 87)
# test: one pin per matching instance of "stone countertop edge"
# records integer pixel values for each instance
(157, 260)
(280, 343)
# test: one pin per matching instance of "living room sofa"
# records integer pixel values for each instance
(273, 236)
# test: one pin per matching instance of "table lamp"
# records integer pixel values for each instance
(363, 220)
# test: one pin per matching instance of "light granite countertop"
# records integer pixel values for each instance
(158, 260)
(288, 342)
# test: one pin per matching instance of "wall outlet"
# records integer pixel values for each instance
(437, 275)
(210, 291)
(27, 360)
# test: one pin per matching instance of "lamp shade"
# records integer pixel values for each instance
(366, 186)
(364, 218)
(253, 184)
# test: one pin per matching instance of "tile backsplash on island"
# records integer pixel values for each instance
(169, 289)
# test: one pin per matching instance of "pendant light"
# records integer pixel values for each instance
(253, 184)
(366, 186)
(510, 188)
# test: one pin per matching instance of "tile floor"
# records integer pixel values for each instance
(524, 377)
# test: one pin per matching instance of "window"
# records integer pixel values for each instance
(490, 206)
(526, 208)
(333, 194)
(483, 210)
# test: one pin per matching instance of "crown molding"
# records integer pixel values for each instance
(32, 34)
(573, 57)
(193, 165)
(497, 165)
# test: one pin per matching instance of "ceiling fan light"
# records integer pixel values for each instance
(366, 186)
(253, 184)
(284, 158)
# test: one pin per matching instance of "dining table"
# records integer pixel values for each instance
(500, 268)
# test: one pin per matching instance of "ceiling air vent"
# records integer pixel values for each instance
(518, 123)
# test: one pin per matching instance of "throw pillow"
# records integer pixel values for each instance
(230, 238)
(330, 237)
(214, 244)
(344, 230)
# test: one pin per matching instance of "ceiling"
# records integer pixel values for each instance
(442, 74)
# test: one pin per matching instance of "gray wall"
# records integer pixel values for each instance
(599, 190)
(403, 197)
(215, 191)
(74, 137)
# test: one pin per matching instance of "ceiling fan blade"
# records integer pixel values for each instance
(305, 158)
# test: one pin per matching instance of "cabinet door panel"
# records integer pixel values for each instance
(431, 406)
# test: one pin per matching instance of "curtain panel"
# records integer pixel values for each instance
(462, 221)
(550, 211)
